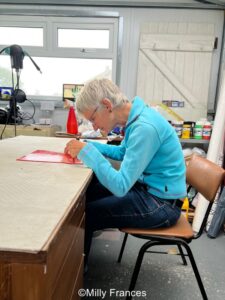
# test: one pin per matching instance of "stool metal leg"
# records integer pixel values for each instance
(122, 247)
(138, 265)
(182, 254)
(195, 269)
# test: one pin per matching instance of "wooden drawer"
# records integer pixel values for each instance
(28, 282)
(71, 268)
(64, 241)
(5, 271)
(56, 278)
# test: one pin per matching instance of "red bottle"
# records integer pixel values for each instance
(72, 126)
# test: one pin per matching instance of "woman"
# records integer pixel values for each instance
(146, 191)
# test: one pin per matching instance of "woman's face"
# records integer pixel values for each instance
(101, 117)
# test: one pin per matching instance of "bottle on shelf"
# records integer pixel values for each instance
(187, 131)
(206, 132)
(71, 125)
(198, 130)
(178, 126)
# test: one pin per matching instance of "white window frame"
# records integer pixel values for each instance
(81, 23)
(51, 24)
(31, 22)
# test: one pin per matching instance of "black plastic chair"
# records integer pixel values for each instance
(206, 177)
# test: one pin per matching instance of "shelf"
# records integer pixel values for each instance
(194, 141)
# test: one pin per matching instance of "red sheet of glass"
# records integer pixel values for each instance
(50, 157)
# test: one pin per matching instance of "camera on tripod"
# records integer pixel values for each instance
(12, 113)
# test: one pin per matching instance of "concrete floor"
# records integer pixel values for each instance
(162, 277)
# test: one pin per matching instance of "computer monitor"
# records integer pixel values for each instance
(70, 91)
(6, 93)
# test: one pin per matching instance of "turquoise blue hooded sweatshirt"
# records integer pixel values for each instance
(150, 153)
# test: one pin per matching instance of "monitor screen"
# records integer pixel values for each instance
(6, 93)
(70, 91)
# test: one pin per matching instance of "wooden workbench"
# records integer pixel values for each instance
(41, 222)
(31, 130)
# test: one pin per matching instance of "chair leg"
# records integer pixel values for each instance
(154, 243)
(182, 255)
(122, 247)
(195, 269)
(138, 265)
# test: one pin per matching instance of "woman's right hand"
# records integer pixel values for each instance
(73, 147)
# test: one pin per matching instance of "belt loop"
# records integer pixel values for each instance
(174, 203)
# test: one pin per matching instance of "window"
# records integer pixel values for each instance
(67, 50)
(57, 71)
(80, 38)
(22, 36)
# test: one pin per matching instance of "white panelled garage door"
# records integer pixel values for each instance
(175, 64)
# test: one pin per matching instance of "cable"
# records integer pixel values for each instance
(3, 50)
(4, 127)
(23, 115)
(36, 66)
(12, 79)
(12, 108)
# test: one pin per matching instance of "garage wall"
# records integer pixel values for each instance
(131, 20)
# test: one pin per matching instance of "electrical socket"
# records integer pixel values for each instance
(45, 121)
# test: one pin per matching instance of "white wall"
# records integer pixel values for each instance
(132, 19)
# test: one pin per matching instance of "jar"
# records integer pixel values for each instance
(206, 132)
(178, 126)
(186, 133)
(198, 129)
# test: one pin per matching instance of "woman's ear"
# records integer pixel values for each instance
(107, 104)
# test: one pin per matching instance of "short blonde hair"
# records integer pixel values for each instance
(95, 90)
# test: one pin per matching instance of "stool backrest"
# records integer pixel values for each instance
(204, 175)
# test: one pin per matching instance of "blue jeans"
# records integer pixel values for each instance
(137, 209)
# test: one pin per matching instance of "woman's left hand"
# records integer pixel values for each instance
(73, 148)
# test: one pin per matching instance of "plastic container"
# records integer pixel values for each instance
(198, 130)
(71, 125)
(186, 132)
(207, 130)
(187, 152)
(178, 126)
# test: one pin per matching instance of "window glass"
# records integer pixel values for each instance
(80, 38)
(68, 50)
(55, 73)
(22, 36)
